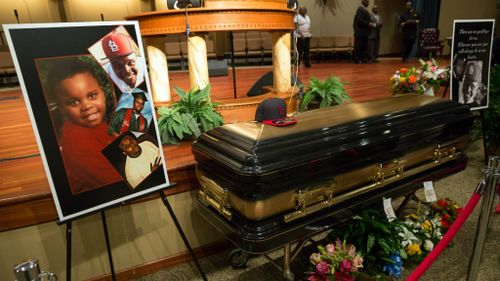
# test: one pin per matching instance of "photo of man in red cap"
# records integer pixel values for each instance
(124, 67)
(120, 57)
(472, 90)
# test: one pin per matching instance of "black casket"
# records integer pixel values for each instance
(263, 179)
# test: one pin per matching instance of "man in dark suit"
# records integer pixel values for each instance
(409, 22)
(362, 28)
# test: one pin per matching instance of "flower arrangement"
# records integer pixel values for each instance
(375, 237)
(420, 232)
(336, 261)
(385, 246)
(418, 235)
(447, 211)
(418, 80)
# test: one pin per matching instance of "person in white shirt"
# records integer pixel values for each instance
(303, 31)
(142, 158)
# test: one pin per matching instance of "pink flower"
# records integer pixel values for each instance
(345, 266)
(342, 276)
(315, 277)
(338, 244)
(322, 268)
(357, 262)
(315, 258)
(433, 68)
(330, 250)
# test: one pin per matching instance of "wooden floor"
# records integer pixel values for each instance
(24, 186)
(367, 81)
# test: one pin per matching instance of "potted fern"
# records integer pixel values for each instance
(187, 118)
(324, 93)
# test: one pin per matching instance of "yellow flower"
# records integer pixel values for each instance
(402, 79)
(413, 249)
(426, 224)
(412, 217)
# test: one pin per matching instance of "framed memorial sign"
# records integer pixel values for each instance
(471, 57)
(87, 93)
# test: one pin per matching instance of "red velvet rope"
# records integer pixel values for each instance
(427, 262)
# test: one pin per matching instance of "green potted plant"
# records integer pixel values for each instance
(324, 93)
(191, 115)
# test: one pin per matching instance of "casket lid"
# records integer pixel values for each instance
(254, 147)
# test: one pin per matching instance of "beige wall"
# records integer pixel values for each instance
(463, 9)
(76, 10)
(37, 9)
(336, 18)
(139, 233)
(333, 18)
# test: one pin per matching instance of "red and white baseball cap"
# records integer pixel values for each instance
(117, 45)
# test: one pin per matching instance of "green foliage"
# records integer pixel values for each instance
(328, 92)
(492, 114)
(188, 117)
(373, 236)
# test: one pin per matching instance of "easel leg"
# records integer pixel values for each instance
(108, 246)
(407, 199)
(68, 251)
(179, 229)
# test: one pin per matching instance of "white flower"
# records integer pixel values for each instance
(315, 258)
(428, 245)
(408, 237)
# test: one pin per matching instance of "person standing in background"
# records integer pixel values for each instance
(362, 26)
(374, 38)
(303, 28)
(409, 22)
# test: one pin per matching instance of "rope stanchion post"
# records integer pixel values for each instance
(492, 172)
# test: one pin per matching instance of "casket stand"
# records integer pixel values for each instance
(269, 187)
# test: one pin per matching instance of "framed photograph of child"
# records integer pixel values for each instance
(93, 121)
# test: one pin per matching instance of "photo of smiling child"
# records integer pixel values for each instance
(81, 102)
